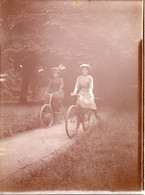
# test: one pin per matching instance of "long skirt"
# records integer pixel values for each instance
(86, 101)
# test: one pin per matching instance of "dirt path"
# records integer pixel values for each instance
(29, 147)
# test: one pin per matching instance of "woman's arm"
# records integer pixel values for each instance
(48, 88)
(91, 86)
(76, 86)
(61, 85)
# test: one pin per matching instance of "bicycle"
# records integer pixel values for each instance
(76, 115)
(47, 114)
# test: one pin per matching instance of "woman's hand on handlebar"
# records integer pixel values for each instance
(54, 93)
(76, 94)
(73, 94)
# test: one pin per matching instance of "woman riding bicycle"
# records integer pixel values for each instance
(84, 85)
(55, 86)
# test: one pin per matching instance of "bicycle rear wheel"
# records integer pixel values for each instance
(46, 116)
(86, 119)
(60, 115)
(98, 122)
(71, 121)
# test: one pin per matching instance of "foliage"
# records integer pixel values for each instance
(48, 33)
(11, 87)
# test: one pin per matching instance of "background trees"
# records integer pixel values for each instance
(48, 33)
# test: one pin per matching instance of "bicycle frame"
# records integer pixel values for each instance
(43, 112)
(50, 100)
(77, 115)
(80, 109)
(50, 97)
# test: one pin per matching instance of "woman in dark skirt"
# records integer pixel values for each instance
(56, 84)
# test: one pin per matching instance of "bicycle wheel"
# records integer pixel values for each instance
(46, 116)
(98, 122)
(71, 121)
(86, 119)
(60, 114)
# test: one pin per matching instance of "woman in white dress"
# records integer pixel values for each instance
(84, 86)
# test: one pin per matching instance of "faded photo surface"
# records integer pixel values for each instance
(71, 88)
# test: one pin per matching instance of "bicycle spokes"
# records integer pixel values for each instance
(86, 121)
(71, 122)
(46, 116)
(60, 115)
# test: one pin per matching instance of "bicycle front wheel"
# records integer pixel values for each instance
(46, 116)
(71, 121)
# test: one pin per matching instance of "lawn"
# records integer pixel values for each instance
(17, 118)
(100, 159)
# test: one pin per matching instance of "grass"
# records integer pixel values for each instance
(18, 118)
(101, 159)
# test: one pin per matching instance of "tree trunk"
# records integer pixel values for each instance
(24, 88)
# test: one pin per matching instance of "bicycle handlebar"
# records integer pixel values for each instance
(77, 94)
(51, 94)
(97, 98)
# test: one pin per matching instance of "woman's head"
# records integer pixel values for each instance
(85, 68)
(55, 72)
(84, 71)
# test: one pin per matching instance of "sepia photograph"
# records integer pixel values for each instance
(71, 96)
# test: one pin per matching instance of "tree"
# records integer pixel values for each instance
(70, 33)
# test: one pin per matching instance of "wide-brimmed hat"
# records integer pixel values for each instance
(58, 69)
(55, 69)
(85, 66)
